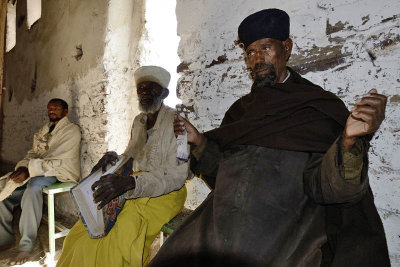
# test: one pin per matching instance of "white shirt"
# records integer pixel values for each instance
(287, 76)
(154, 152)
(55, 154)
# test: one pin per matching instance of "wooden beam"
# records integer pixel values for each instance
(3, 18)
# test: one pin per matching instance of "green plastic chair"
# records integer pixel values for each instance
(51, 190)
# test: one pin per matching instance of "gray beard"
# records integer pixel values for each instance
(264, 80)
(153, 108)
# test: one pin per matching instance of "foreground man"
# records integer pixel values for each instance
(54, 156)
(155, 193)
(289, 169)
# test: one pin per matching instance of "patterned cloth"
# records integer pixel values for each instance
(129, 241)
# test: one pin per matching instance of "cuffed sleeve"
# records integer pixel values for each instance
(352, 162)
(160, 181)
(130, 194)
(55, 167)
(337, 176)
(197, 151)
(206, 161)
(25, 161)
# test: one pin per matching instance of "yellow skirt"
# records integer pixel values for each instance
(128, 243)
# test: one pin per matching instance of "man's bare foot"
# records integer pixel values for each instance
(5, 247)
(21, 258)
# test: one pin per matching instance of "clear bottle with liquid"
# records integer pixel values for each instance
(182, 151)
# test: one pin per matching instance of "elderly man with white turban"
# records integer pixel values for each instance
(154, 194)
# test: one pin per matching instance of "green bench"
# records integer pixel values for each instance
(52, 190)
(170, 226)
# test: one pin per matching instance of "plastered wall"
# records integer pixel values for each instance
(55, 58)
(60, 56)
(81, 51)
(347, 46)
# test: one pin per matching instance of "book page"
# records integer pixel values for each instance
(87, 193)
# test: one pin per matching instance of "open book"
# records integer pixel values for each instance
(99, 222)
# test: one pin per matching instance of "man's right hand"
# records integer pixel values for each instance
(20, 175)
(111, 157)
(365, 117)
(193, 136)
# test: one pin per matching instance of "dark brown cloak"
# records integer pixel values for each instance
(301, 116)
(296, 116)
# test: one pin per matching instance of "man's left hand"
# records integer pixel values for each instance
(20, 175)
(111, 186)
(365, 117)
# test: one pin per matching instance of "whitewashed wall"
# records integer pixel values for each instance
(56, 57)
(96, 81)
(125, 26)
(159, 42)
(346, 46)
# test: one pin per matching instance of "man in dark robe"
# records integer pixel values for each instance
(288, 167)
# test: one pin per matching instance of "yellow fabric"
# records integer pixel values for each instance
(352, 167)
(128, 243)
(353, 162)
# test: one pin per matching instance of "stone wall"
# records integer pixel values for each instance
(346, 46)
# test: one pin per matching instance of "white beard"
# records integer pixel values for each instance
(154, 107)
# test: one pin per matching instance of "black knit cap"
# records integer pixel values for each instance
(268, 23)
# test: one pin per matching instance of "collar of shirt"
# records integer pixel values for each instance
(59, 125)
(287, 76)
(161, 113)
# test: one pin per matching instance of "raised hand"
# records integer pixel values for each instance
(365, 117)
(110, 157)
(193, 135)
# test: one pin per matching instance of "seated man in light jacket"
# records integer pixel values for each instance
(54, 156)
